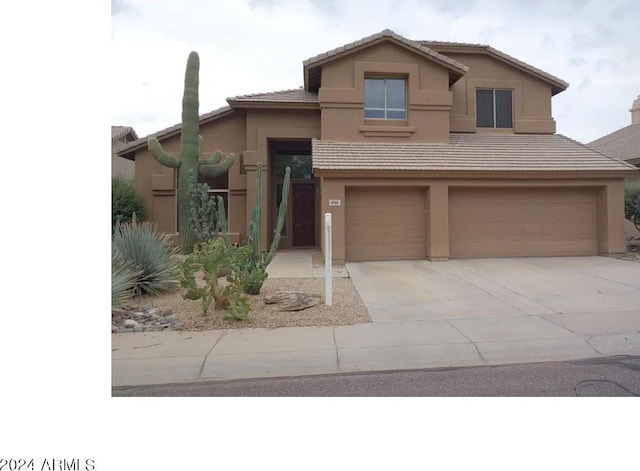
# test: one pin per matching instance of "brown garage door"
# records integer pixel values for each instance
(494, 222)
(385, 223)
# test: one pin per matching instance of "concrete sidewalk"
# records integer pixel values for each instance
(388, 343)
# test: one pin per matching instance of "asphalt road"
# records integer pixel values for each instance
(612, 376)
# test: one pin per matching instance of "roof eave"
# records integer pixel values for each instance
(477, 174)
(297, 105)
(129, 151)
(455, 71)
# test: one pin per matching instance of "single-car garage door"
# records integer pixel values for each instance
(385, 223)
(512, 222)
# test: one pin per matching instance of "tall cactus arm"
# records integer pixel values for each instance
(282, 214)
(213, 170)
(161, 156)
(215, 158)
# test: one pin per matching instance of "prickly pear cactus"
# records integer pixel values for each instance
(189, 163)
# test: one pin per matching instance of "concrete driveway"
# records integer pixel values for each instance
(508, 298)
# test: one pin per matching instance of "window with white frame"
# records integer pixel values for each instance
(385, 98)
(494, 108)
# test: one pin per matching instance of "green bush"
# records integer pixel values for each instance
(632, 203)
(150, 252)
(210, 259)
(123, 280)
(125, 201)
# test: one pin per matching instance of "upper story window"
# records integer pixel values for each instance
(385, 98)
(494, 108)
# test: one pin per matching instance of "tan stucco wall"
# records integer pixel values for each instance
(531, 97)
(264, 125)
(610, 208)
(341, 96)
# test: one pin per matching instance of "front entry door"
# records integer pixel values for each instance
(303, 211)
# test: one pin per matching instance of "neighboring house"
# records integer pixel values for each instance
(120, 137)
(624, 144)
(419, 149)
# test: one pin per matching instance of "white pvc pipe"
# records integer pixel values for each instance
(328, 277)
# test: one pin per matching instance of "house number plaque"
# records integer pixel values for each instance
(335, 202)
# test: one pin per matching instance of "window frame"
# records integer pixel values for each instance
(386, 108)
(494, 107)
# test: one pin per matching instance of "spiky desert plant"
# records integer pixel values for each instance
(123, 280)
(203, 212)
(149, 251)
(255, 266)
(189, 164)
(254, 242)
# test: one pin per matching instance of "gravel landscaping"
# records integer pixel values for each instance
(347, 308)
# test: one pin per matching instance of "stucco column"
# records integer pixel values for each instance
(611, 219)
(438, 222)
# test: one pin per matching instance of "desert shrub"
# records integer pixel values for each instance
(203, 212)
(249, 273)
(210, 259)
(149, 251)
(125, 201)
(123, 280)
(632, 203)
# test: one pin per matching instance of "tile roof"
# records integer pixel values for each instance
(142, 142)
(467, 152)
(451, 46)
(295, 95)
(390, 34)
(118, 132)
(622, 144)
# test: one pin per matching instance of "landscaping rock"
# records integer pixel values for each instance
(292, 300)
(130, 323)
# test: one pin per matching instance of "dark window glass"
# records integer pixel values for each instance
(494, 108)
(504, 114)
(374, 94)
(221, 182)
(300, 165)
(484, 108)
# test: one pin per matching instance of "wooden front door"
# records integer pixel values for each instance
(303, 211)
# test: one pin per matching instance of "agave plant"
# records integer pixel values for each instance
(123, 279)
(150, 251)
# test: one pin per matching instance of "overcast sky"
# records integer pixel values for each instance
(251, 46)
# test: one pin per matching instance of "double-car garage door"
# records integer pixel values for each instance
(389, 223)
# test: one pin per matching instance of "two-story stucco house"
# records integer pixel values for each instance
(419, 149)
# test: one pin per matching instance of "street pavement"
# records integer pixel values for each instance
(424, 315)
(612, 376)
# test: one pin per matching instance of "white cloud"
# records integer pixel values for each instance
(250, 46)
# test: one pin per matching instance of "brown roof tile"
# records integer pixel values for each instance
(622, 144)
(118, 132)
(467, 152)
(448, 46)
(387, 33)
(295, 95)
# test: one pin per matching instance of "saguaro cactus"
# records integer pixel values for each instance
(256, 219)
(189, 163)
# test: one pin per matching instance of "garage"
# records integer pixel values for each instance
(385, 223)
(512, 222)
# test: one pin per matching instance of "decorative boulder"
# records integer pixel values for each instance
(292, 300)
